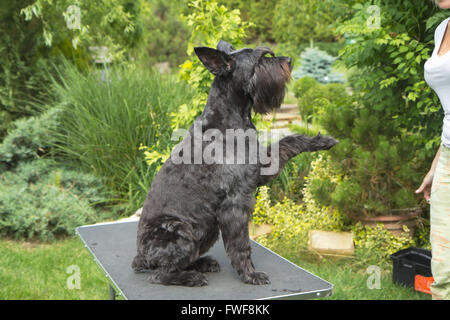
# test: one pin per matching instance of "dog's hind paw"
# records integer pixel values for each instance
(257, 278)
(206, 264)
(179, 278)
(194, 279)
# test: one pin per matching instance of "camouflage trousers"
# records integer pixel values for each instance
(440, 227)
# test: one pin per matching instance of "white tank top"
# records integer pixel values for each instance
(437, 75)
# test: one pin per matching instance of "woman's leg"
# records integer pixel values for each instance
(440, 227)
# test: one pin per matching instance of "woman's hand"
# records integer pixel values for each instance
(425, 187)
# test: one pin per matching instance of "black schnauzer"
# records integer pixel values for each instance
(188, 203)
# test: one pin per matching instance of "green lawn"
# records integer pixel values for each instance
(39, 271)
(350, 276)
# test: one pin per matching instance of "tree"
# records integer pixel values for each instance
(389, 130)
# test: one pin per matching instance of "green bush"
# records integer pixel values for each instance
(166, 34)
(210, 23)
(23, 64)
(42, 200)
(317, 64)
(83, 185)
(259, 13)
(291, 180)
(314, 99)
(299, 21)
(35, 35)
(302, 85)
(389, 60)
(103, 124)
(28, 139)
(371, 154)
(290, 221)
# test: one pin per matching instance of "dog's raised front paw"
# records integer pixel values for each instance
(256, 278)
(320, 142)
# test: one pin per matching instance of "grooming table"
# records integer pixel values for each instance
(113, 246)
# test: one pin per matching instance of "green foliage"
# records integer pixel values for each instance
(28, 139)
(110, 23)
(377, 179)
(260, 13)
(379, 240)
(23, 65)
(290, 222)
(299, 21)
(387, 129)
(166, 35)
(291, 180)
(314, 99)
(390, 61)
(210, 23)
(41, 200)
(36, 33)
(317, 64)
(302, 85)
(104, 123)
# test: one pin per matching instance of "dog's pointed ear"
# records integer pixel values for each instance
(218, 62)
(225, 47)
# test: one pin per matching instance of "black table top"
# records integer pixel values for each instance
(113, 246)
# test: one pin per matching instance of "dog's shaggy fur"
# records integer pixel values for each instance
(188, 204)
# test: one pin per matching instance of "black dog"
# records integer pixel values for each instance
(188, 203)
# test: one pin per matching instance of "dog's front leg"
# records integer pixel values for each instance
(233, 225)
(280, 152)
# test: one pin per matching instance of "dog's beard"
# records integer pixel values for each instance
(269, 84)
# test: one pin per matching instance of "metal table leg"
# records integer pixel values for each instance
(112, 293)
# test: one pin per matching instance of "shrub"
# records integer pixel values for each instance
(210, 23)
(28, 139)
(375, 157)
(41, 211)
(304, 20)
(317, 64)
(389, 60)
(166, 34)
(103, 124)
(35, 34)
(314, 99)
(260, 13)
(379, 241)
(302, 85)
(41, 200)
(291, 180)
(22, 65)
(290, 222)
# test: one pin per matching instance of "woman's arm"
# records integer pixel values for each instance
(425, 187)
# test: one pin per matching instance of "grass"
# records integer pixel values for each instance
(350, 276)
(30, 270)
